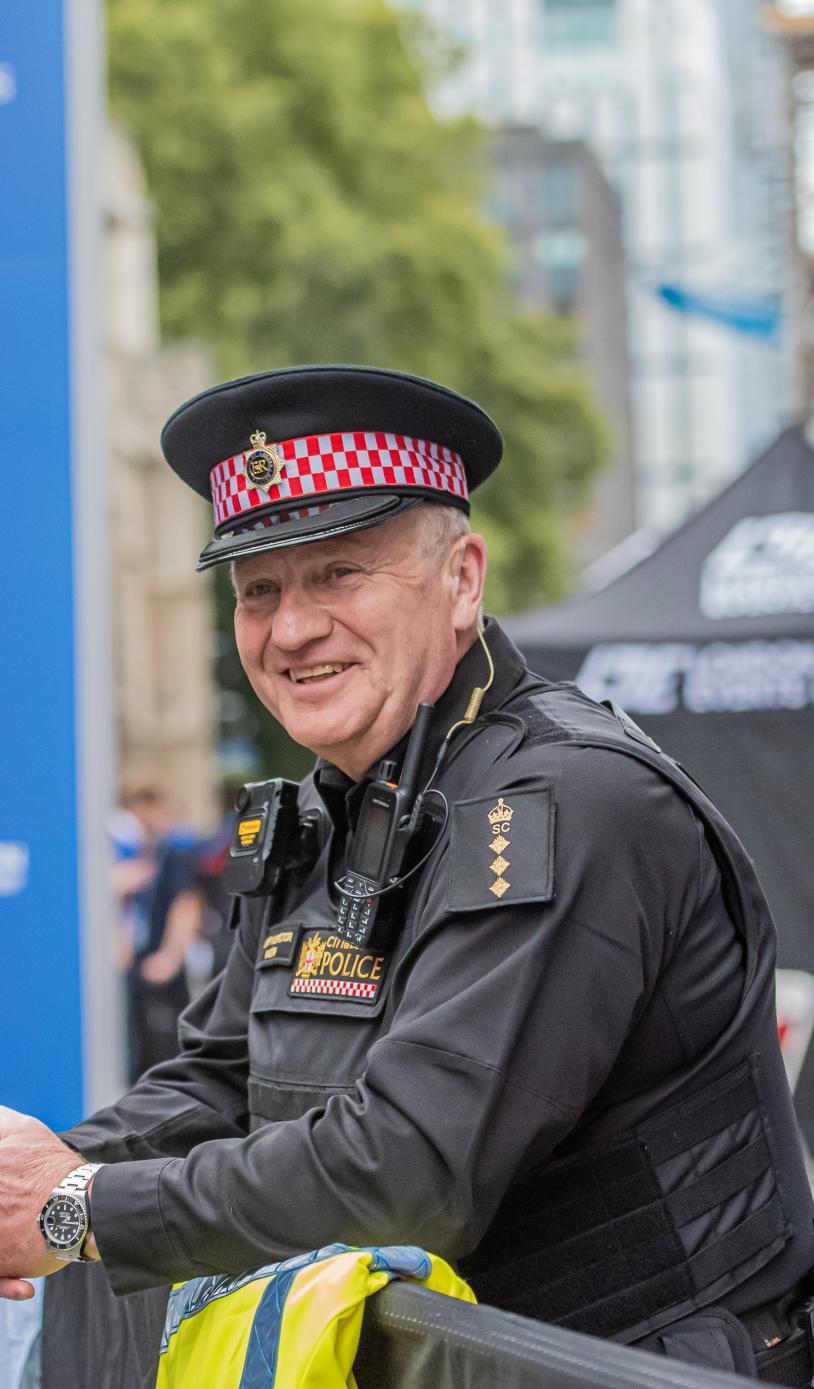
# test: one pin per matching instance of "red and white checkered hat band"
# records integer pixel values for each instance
(336, 463)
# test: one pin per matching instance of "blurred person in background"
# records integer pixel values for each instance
(214, 903)
(154, 880)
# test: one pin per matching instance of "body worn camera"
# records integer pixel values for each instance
(264, 832)
(270, 838)
(385, 847)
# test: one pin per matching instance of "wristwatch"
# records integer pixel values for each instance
(64, 1220)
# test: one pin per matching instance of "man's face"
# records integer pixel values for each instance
(342, 639)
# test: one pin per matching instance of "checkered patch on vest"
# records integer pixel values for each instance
(330, 968)
(502, 850)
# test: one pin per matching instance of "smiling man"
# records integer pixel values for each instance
(343, 639)
(509, 991)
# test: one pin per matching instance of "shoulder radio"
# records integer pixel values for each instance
(387, 840)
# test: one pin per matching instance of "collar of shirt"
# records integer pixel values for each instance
(342, 796)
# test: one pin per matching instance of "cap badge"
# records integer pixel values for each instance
(263, 465)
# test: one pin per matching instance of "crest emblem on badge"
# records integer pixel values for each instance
(500, 824)
(310, 957)
(263, 465)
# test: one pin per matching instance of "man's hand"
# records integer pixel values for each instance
(32, 1162)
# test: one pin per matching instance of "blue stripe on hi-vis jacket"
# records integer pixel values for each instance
(502, 850)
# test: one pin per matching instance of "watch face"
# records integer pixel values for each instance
(63, 1221)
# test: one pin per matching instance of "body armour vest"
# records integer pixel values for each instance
(669, 1193)
(562, 1071)
(621, 1236)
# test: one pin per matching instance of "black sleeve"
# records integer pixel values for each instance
(508, 1020)
(198, 1095)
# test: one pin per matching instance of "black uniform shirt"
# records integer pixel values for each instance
(565, 961)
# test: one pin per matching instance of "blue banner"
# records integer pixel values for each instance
(40, 1020)
(760, 318)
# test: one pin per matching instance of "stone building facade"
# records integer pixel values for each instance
(164, 693)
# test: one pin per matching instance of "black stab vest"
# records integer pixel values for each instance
(634, 1232)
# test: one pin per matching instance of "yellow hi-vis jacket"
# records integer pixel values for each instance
(292, 1325)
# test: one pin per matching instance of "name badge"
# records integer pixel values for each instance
(278, 947)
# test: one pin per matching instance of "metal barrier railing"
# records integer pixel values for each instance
(412, 1339)
(415, 1338)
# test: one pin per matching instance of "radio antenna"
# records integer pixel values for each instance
(415, 748)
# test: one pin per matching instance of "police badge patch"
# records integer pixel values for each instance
(502, 850)
(331, 969)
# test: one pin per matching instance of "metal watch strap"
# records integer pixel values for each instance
(80, 1178)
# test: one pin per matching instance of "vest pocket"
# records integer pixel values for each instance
(302, 1049)
(271, 1102)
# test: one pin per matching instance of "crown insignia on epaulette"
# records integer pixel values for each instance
(501, 813)
(500, 824)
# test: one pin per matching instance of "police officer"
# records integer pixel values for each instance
(553, 1058)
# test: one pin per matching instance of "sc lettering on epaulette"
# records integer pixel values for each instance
(502, 850)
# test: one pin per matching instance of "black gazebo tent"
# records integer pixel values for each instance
(709, 644)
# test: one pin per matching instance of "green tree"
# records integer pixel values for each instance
(310, 207)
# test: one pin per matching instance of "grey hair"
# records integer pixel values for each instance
(440, 526)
